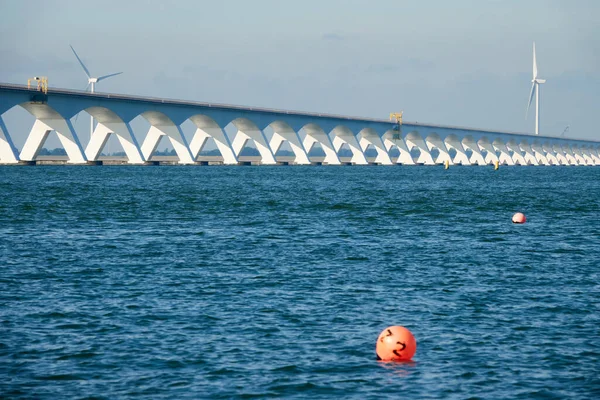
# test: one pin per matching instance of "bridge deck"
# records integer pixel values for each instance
(191, 103)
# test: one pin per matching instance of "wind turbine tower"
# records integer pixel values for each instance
(91, 83)
(535, 87)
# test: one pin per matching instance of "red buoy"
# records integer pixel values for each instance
(395, 343)
(519, 218)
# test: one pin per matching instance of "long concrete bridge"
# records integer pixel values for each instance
(268, 129)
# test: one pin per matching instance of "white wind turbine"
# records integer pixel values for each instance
(91, 83)
(535, 86)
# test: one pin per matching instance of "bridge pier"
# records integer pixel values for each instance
(389, 141)
(491, 157)
(173, 132)
(242, 137)
(588, 157)
(415, 140)
(435, 141)
(575, 151)
(476, 156)
(452, 142)
(504, 157)
(358, 157)
(589, 153)
(461, 146)
(39, 133)
(528, 154)
(203, 132)
(280, 135)
(367, 138)
(550, 154)
(8, 151)
(594, 155)
(314, 135)
(583, 158)
(560, 155)
(569, 155)
(540, 154)
(517, 157)
(123, 132)
(198, 142)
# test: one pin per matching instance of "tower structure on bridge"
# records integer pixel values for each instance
(535, 87)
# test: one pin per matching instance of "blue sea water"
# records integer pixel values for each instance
(254, 282)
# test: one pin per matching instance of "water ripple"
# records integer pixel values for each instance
(274, 282)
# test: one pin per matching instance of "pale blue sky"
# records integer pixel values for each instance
(460, 62)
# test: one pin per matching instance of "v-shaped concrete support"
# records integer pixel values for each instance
(358, 157)
(221, 140)
(279, 136)
(124, 135)
(8, 151)
(176, 138)
(66, 135)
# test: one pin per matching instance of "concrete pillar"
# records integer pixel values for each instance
(583, 158)
(404, 158)
(279, 135)
(549, 154)
(560, 155)
(569, 155)
(8, 151)
(461, 158)
(491, 157)
(371, 139)
(358, 157)
(529, 157)
(173, 132)
(260, 141)
(125, 136)
(504, 157)
(416, 141)
(517, 156)
(595, 155)
(66, 134)
(476, 156)
(578, 156)
(198, 142)
(435, 141)
(313, 136)
(221, 140)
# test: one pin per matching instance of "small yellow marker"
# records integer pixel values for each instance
(496, 165)
(446, 164)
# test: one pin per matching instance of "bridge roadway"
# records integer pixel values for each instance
(268, 129)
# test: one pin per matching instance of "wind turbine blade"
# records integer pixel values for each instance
(81, 62)
(530, 99)
(108, 76)
(535, 69)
